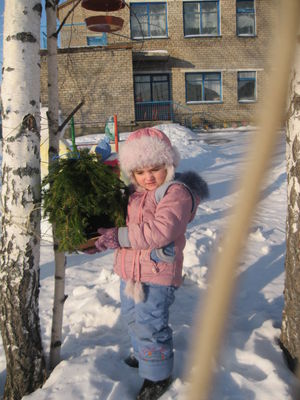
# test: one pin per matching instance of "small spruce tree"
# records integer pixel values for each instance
(81, 194)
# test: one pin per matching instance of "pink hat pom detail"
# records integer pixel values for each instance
(152, 132)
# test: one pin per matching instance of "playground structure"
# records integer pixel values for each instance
(103, 23)
(65, 147)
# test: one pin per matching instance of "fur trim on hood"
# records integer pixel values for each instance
(194, 182)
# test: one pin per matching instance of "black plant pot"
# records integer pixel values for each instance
(96, 222)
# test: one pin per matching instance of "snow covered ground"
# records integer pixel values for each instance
(94, 340)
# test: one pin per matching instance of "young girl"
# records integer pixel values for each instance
(149, 253)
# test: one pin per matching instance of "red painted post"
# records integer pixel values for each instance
(116, 133)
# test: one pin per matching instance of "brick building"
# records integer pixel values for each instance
(188, 61)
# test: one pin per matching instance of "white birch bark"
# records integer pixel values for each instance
(290, 333)
(54, 135)
(20, 195)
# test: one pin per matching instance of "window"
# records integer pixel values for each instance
(148, 20)
(203, 87)
(100, 40)
(152, 97)
(149, 88)
(245, 18)
(247, 86)
(201, 18)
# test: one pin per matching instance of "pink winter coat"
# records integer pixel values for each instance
(153, 225)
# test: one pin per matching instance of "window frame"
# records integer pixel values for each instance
(149, 36)
(151, 75)
(253, 12)
(204, 73)
(254, 100)
(200, 22)
(94, 38)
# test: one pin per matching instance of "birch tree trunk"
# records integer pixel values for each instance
(54, 134)
(20, 195)
(290, 330)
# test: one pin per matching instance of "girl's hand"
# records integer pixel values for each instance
(89, 246)
(108, 239)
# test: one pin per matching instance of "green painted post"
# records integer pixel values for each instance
(73, 136)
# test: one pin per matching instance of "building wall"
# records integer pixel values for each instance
(226, 53)
(102, 77)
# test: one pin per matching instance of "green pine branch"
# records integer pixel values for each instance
(80, 195)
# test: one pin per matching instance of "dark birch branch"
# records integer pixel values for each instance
(66, 17)
(61, 127)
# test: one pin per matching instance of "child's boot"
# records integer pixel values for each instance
(153, 390)
(131, 361)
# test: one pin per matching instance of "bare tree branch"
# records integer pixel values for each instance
(66, 17)
(60, 128)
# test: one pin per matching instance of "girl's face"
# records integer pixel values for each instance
(150, 178)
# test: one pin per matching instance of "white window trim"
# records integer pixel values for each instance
(188, 70)
(205, 102)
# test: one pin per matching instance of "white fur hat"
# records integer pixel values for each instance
(148, 147)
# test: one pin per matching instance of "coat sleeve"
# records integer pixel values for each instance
(172, 215)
